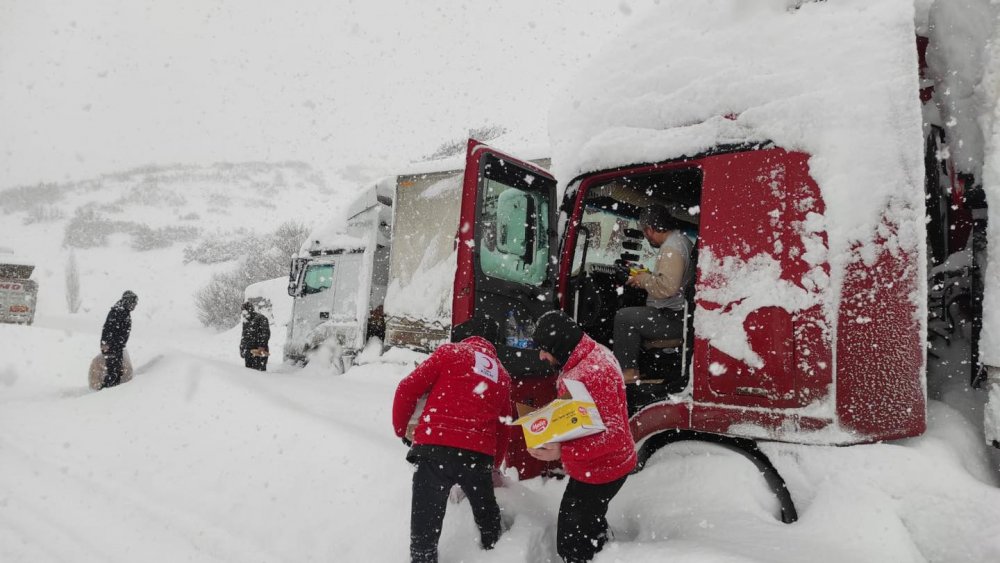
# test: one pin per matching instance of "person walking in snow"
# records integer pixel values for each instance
(460, 437)
(114, 337)
(254, 341)
(597, 465)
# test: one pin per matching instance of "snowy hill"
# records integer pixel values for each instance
(159, 230)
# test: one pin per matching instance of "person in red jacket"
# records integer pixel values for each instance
(598, 464)
(459, 438)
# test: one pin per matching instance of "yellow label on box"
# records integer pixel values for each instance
(562, 419)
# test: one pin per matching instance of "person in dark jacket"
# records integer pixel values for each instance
(256, 335)
(114, 337)
(459, 439)
(597, 465)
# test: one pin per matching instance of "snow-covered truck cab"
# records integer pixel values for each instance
(338, 281)
(796, 163)
(771, 350)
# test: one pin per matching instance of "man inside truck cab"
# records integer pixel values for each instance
(663, 316)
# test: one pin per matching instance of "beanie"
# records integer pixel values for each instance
(557, 334)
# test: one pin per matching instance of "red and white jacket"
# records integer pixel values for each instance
(609, 455)
(468, 399)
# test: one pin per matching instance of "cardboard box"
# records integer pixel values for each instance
(562, 420)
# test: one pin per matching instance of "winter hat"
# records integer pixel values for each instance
(659, 218)
(129, 299)
(248, 307)
(557, 334)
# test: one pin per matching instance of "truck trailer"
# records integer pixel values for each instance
(18, 292)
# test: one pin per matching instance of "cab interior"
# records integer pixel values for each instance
(608, 242)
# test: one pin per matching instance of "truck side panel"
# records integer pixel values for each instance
(422, 259)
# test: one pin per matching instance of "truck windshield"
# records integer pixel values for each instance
(514, 233)
(319, 277)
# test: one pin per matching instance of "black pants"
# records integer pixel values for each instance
(582, 528)
(634, 324)
(438, 468)
(255, 362)
(113, 367)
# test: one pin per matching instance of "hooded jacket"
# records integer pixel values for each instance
(256, 332)
(468, 395)
(609, 455)
(117, 327)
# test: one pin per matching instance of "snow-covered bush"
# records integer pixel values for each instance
(43, 214)
(457, 146)
(218, 303)
(72, 283)
(216, 248)
(145, 238)
(88, 229)
(24, 198)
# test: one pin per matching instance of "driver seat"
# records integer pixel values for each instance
(661, 362)
(665, 364)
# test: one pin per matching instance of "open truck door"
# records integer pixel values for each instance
(506, 269)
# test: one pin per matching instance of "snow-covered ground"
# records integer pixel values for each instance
(200, 459)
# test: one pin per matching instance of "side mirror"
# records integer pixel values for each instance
(295, 276)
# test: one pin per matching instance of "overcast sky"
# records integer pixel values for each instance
(95, 86)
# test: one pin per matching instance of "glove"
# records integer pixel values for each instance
(406, 442)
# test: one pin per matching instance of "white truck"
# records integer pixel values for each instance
(385, 272)
(18, 292)
(338, 281)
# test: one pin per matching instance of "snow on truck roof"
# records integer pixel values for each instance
(9, 257)
(523, 151)
(835, 79)
(333, 235)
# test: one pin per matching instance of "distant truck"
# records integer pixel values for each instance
(385, 272)
(18, 292)
(338, 280)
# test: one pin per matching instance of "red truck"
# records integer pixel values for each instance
(790, 139)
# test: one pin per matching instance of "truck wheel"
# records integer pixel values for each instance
(746, 447)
